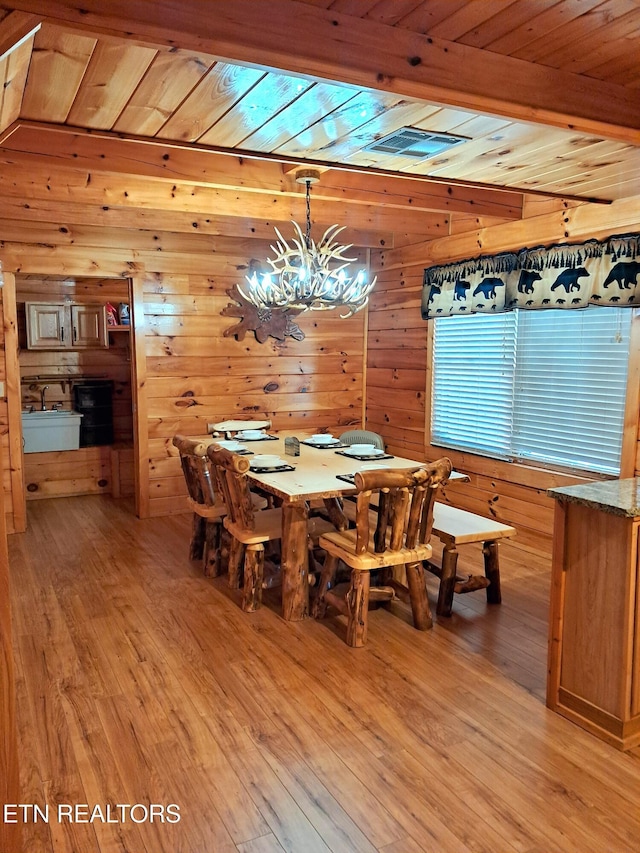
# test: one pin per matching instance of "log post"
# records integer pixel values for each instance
(253, 570)
(417, 584)
(492, 572)
(357, 601)
(196, 547)
(326, 577)
(447, 580)
(212, 552)
(235, 563)
(295, 562)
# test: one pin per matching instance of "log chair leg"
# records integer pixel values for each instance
(253, 572)
(416, 582)
(327, 576)
(492, 572)
(447, 580)
(357, 601)
(212, 554)
(225, 548)
(235, 563)
(196, 546)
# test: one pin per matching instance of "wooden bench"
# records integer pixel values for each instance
(455, 527)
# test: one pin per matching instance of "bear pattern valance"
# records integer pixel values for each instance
(562, 276)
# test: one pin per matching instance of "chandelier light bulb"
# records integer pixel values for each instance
(308, 275)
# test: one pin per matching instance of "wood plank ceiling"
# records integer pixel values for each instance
(85, 91)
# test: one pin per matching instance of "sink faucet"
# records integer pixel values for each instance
(43, 407)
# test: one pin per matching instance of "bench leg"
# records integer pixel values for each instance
(447, 580)
(492, 572)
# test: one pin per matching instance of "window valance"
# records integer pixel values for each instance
(560, 276)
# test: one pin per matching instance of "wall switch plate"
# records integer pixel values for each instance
(1, 389)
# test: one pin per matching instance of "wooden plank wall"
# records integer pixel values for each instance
(196, 376)
(398, 407)
(396, 362)
(189, 373)
(4, 426)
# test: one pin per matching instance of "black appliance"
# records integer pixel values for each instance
(93, 398)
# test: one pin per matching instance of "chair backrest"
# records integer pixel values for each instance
(230, 475)
(403, 513)
(196, 468)
(362, 436)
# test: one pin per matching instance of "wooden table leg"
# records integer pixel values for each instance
(295, 562)
(492, 572)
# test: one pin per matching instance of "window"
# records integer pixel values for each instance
(533, 386)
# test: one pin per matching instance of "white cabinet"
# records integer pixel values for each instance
(57, 326)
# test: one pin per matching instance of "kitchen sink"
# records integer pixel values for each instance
(51, 429)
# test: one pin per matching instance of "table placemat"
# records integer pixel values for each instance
(273, 469)
(368, 457)
(348, 478)
(261, 438)
(322, 445)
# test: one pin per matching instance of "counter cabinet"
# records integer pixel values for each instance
(594, 635)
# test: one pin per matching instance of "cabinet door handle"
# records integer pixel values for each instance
(75, 335)
(62, 333)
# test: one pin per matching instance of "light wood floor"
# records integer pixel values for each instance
(141, 681)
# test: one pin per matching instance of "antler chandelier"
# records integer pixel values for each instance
(308, 275)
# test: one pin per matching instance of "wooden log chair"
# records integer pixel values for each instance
(208, 509)
(250, 529)
(392, 530)
(362, 436)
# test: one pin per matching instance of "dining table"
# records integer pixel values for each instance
(315, 476)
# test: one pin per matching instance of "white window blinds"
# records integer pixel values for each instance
(541, 386)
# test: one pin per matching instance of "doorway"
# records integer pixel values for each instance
(64, 378)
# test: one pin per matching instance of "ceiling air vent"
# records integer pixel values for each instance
(411, 142)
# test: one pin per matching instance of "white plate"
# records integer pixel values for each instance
(324, 440)
(230, 444)
(374, 451)
(267, 462)
(251, 434)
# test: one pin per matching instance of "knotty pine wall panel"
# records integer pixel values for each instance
(396, 363)
(195, 375)
(4, 430)
(398, 407)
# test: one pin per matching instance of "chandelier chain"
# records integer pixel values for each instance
(308, 234)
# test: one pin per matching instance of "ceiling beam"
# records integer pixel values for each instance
(566, 226)
(163, 160)
(34, 177)
(67, 214)
(15, 29)
(309, 40)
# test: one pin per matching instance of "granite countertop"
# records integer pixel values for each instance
(618, 497)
